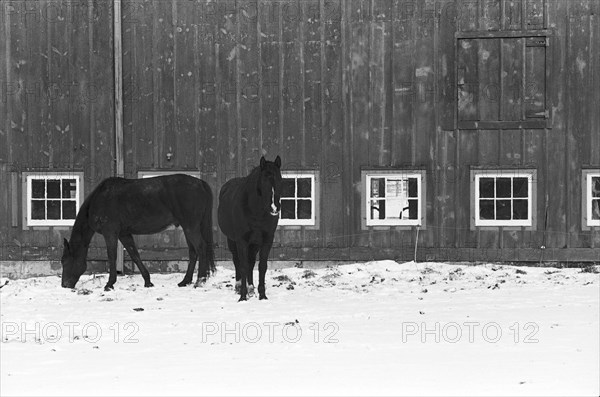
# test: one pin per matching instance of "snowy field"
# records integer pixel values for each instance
(378, 328)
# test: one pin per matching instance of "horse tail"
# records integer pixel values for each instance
(207, 233)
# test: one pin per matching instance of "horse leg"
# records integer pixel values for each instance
(193, 252)
(262, 269)
(111, 250)
(203, 265)
(252, 251)
(242, 251)
(129, 244)
(236, 263)
(189, 274)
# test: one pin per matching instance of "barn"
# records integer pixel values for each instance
(434, 130)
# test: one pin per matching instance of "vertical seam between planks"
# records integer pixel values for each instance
(199, 160)
(415, 97)
(176, 125)
(8, 78)
(345, 126)
(567, 128)
(260, 78)
(50, 112)
(322, 225)
(156, 109)
(241, 163)
(91, 106)
(302, 87)
(281, 80)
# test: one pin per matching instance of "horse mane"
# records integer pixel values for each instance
(81, 224)
(253, 178)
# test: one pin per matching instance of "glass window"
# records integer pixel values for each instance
(298, 199)
(52, 200)
(393, 199)
(592, 198)
(503, 198)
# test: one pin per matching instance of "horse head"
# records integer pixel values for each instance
(269, 185)
(73, 266)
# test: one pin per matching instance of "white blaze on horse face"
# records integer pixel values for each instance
(274, 211)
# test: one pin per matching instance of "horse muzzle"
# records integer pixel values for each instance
(68, 284)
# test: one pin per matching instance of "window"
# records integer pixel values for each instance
(298, 199)
(152, 174)
(393, 198)
(503, 198)
(591, 198)
(502, 80)
(52, 199)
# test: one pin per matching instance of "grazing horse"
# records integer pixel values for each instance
(119, 208)
(248, 214)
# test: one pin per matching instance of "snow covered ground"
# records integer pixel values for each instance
(363, 329)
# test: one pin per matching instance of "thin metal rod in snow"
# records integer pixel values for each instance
(416, 244)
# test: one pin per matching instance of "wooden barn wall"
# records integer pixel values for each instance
(56, 107)
(336, 86)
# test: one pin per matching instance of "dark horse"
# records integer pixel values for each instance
(119, 208)
(248, 215)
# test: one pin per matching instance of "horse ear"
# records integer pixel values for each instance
(67, 247)
(278, 162)
(262, 162)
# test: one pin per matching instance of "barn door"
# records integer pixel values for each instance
(502, 82)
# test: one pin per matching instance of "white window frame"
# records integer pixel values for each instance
(29, 177)
(586, 185)
(393, 174)
(531, 197)
(313, 221)
(152, 174)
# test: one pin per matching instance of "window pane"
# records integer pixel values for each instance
(503, 211)
(503, 187)
(38, 189)
(396, 208)
(53, 187)
(288, 209)
(520, 188)
(382, 192)
(304, 209)
(595, 209)
(596, 186)
(304, 187)
(412, 187)
(377, 209)
(38, 209)
(412, 209)
(53, 209)
(520, 209)
(69, 188)
(486, 209)
(377, 187)
(486, 188)
(69, 209)
(288, 187)
(396, 188)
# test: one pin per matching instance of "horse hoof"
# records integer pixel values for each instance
(109, 288)
(200, 283)
(184, 283)
(242, 298)
(148, 284)
(263, 297)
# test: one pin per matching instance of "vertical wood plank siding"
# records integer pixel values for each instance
(337, 86)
